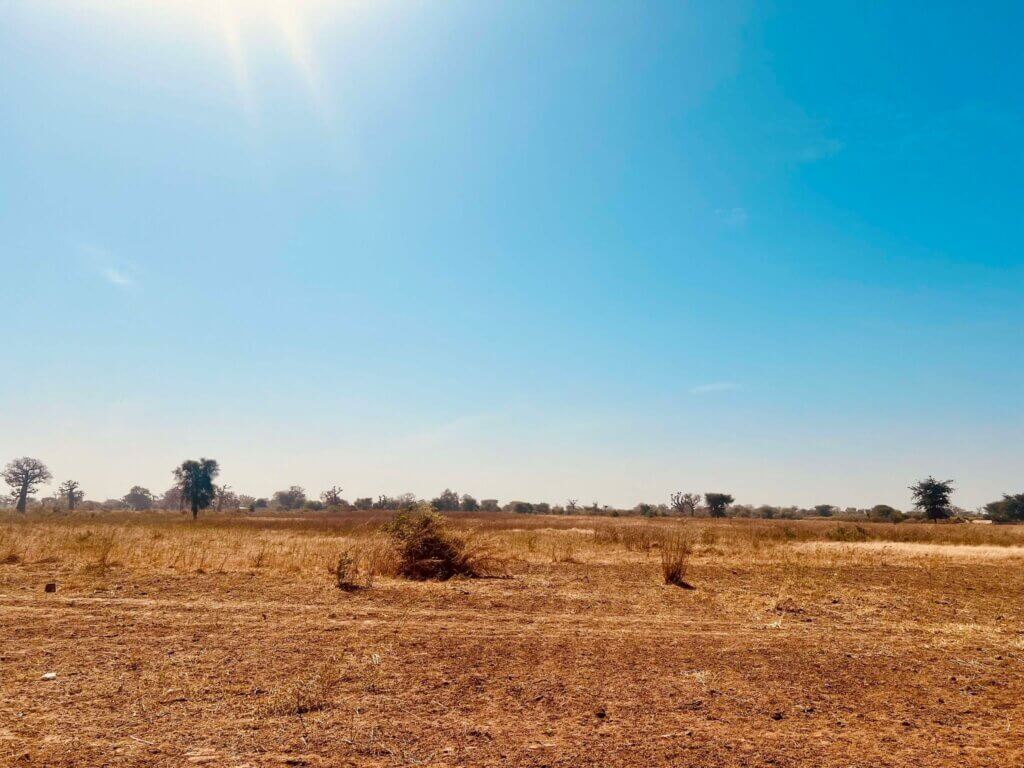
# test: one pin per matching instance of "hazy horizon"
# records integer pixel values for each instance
(526, 251)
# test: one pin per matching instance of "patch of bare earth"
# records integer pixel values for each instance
(780, 657)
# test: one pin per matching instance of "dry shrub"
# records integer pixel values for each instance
(427, 549)
(675, 556)
(346, 573)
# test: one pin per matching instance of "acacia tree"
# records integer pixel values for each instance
(195, 479)
(932, 497)
(717, 503)
(1009, 510)
(71, 493)
(683, 503)
(25, 475)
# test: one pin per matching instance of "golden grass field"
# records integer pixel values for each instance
(227, 643)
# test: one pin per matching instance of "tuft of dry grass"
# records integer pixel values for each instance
(301, 694)
(675, 557)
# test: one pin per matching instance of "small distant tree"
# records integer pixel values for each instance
(519, 507)
(247, 502)
(292, 498)
(225, 497)
(364, 503)
(172, 499)
(718, 503)
(448, 501)
(572, 506)
(138, 498)
(468, 503)
(313, 505)
(824, 510)
(931, 496)
(647, 510)
(542, 508)
(70, 493)
(195, 479)
(261, 503)
(332, 496)
(766, 512)
(1009, 510)
(24, 476)
(884, 513)
(490, 505)
(685, 503)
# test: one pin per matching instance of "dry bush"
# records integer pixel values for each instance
(346, 573)
(427, 549)
(675, 556)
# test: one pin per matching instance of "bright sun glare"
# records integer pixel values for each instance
(240, 26)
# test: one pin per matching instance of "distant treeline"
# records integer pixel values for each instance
(194, 489)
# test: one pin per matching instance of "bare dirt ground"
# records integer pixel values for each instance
(785, 654)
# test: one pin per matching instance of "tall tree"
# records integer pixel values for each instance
(685, 503)
(71, 493)
(718, 503)
(25, 475)
(195, 479)
(138, 498)
(932, 497)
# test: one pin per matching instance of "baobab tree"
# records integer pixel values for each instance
(332, 496)
(225, 496)
(195, 479)
(71, 493)
(25, 475)
(685, 503)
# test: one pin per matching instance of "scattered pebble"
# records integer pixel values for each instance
(49, 676)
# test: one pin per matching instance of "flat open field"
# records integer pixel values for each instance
(226, 643)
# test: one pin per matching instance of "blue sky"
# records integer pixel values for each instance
(525, 250)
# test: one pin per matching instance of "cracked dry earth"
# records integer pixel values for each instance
(850, 659)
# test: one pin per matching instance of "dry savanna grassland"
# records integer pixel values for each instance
(228, 642)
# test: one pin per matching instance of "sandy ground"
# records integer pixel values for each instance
(862, 655)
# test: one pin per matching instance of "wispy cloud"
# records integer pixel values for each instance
(732, 217)
(715, 386)
(117, 277)
(101, 261)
